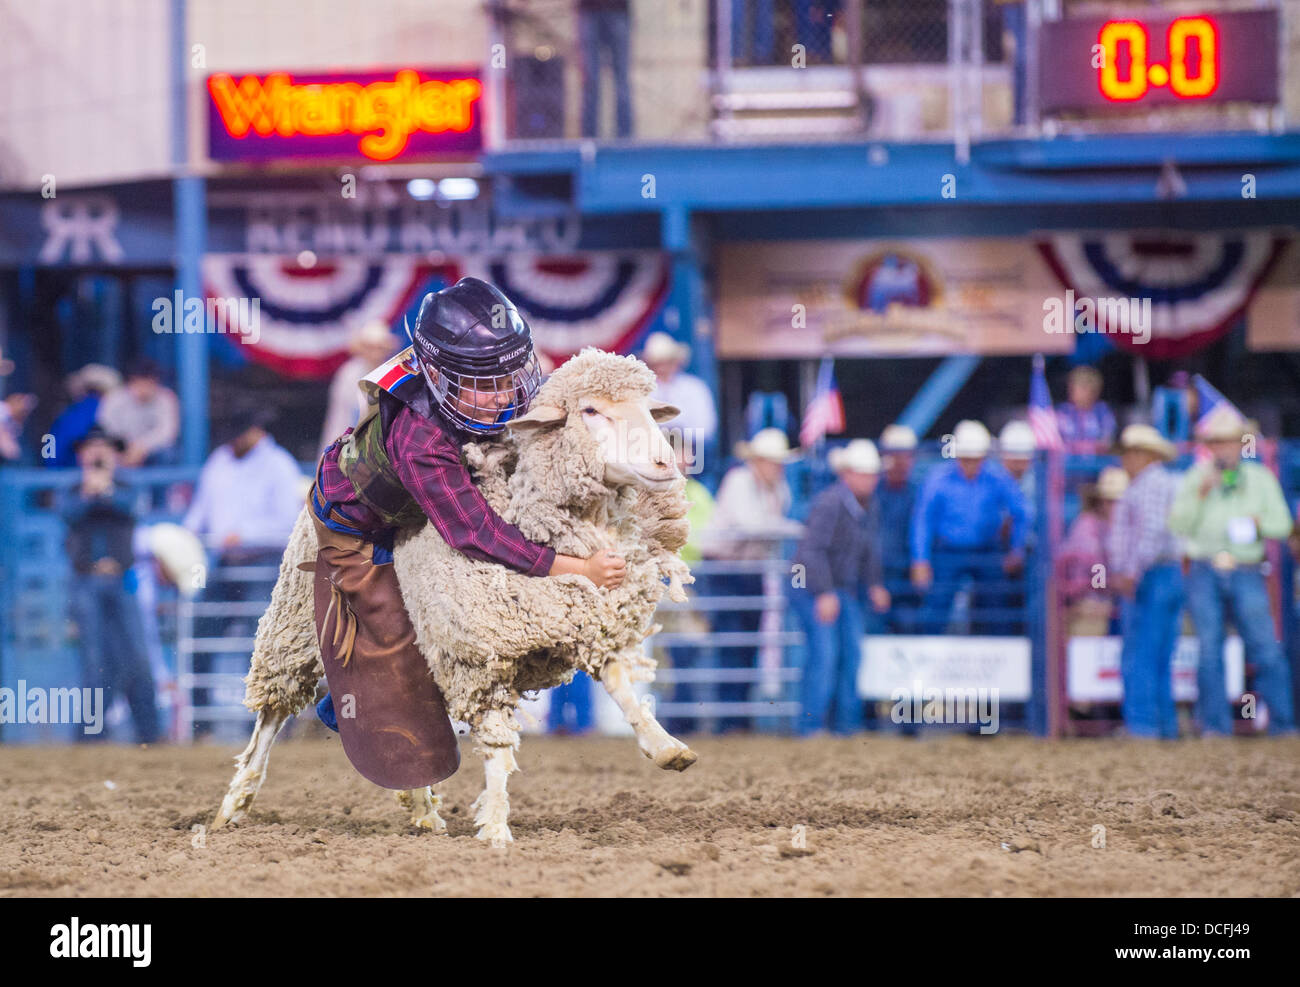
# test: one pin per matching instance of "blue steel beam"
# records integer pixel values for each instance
(189, 204)
(1095, 169)
(938, 390)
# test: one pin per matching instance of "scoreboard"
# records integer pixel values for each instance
(1218, 57)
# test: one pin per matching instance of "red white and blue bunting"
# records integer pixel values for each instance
(1199, 284)
(595, 298)
(306, 314)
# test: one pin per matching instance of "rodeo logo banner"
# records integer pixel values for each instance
(874, 297)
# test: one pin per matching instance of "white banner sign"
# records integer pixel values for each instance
(894, 664)
(1093, 672)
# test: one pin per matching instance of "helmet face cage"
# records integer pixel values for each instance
(470, 401)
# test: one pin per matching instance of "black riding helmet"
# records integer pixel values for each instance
(466, 338)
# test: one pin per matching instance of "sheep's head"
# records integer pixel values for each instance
(603, 403)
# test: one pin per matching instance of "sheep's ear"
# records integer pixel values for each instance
(662, 412)
(539, 416)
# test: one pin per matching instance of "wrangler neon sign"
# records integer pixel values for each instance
(378, 115)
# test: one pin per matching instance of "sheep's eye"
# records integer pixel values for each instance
(590, 411)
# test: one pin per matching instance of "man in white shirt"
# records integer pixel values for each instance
(144, 413)
(698, 421)
(248, 497)
(749, 520)
(249, 494)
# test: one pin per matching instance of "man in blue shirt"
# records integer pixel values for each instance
(955, 534)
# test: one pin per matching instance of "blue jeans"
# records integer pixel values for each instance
(759, 51)
(980, 569)
(830, 671)
(1015, 22)
(1151, 623)
(113, 652)
(745, 656)
(1243, 593)
(576, 694)
(605, 34)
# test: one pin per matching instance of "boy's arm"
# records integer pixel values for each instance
(429, 466)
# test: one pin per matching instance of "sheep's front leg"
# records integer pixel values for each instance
(498, 739)
(655, 742)
(423, 805)
(250, 767)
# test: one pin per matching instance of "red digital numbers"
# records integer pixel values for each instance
(1191, 42)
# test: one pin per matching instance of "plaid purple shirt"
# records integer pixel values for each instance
(1139, 525)
(427, 460)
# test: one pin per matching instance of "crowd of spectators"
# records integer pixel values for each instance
(880, 550)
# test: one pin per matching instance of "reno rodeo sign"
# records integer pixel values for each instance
(376, 115)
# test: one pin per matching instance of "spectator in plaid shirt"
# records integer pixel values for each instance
(1146, 575)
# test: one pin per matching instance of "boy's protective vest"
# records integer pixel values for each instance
(364, 461)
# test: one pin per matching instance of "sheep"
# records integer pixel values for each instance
(586, 468)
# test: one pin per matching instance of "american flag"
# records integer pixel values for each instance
(1042, 416)
(1208, 399)
(825, 412)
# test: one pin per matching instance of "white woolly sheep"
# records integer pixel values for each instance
(585, 469)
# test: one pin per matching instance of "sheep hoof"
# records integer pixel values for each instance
(498, 834)
(423, 806)
(676, 758)
(432, 822)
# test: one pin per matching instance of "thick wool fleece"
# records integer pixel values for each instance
(286, 661)
(491, 634)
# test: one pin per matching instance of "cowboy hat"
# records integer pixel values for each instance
(769, 443)
(859, 456)
(180, 555)
(1146, 439)
(971, 440)
(1111, 483)
(897, 438)
(1223, 424)
(93, 377)
(662, 348)
(372, 336)
(1017, 439)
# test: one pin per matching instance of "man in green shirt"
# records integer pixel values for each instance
(1226, 508)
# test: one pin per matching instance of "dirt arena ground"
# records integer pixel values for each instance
(880, 816)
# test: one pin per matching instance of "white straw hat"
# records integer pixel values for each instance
(770, 443)
(180, 555)
(1111, 483)
(661, 347)
(897, 438)
(859, 456)
(971, 440)
(1224, 424)
(1017, 439)
(1146, 438)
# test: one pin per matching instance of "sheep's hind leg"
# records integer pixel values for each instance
(497, 742)
(423, 804)
(655, 742)
(250, 767)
